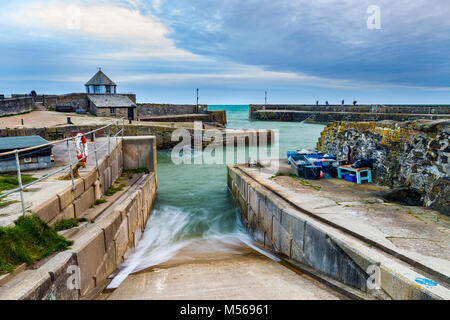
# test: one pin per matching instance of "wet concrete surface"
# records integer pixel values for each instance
(208, 271)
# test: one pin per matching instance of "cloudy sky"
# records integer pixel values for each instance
(299, 51)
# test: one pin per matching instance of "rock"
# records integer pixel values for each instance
(411, 154)
(408, 196)
(439, 197)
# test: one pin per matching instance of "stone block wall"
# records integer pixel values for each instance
(375, 108)
(72, 101)
(99, 248)
(155, 109)
(412, 154)
(119, 113)
(219, 116)
(70, 203)
(16, 105)
(95, 255)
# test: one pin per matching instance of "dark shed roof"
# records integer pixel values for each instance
(100, 79)
(12, 143)
(111, 100)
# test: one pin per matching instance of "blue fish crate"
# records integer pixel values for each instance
(350, 177)
(291, 154)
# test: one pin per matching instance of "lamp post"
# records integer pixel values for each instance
(197, 99)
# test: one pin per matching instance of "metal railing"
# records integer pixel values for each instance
(70, 164)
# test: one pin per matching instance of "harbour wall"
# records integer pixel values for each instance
(326, 114)
(179, 113)
(212, 117)
(14, 106)
(162, 133)
(413, 154)
(97, 251)
(156, 109)
(309, 244)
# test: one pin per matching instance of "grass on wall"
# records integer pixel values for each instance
(68, 223)
(30, 240)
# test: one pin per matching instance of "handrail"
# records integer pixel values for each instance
(70, 164)
(56, 142)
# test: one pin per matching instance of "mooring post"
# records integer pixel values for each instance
(19, 178)
(70, 164)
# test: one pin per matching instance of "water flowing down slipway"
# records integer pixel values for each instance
(194, 206)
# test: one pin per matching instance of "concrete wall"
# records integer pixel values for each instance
(16, 105)
(100, 248)
(413, 154)
(298, 238)
(139, 152)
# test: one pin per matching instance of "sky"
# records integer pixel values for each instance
(299, 51)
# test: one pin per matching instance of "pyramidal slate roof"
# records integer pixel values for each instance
(100, 79)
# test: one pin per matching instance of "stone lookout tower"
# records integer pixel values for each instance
(100, 83)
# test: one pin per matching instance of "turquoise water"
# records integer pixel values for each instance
(201, 190)
(193, 202)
